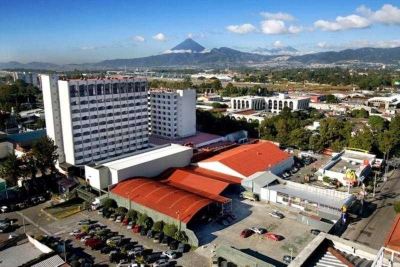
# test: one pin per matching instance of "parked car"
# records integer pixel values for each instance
(274, 237)
(246, 233)
(182, 248)
(136, 229)
(165, 240)
(5, 228)
(85, 222)
(114, 240)
(75, 232)
(287, 259)
(315, 231)
(112, 217)
(41, 198)
(258, 230)
(143, 232)
(119, 219)
(158, 237)
(130, 225)
(150, 258)
(170, 254)
(94, 243)
(125, 221)
(106, 249)
(249, 195)
(20, 206)
(277, 214)
(161, 262)
(4, 209)
(173, 245)
(80, 235)
(86, 237)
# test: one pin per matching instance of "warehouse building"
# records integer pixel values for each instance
(146, 163)
(246, 160)
(181, 196)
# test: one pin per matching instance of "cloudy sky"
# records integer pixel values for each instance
(73, 31)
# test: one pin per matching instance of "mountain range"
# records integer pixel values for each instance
(191, 54)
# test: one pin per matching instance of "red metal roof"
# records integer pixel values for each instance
(251, 158)
(393, 238)
(172, 201)
(199, 184)
(215, 175)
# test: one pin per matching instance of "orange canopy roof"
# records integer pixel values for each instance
(393, 238)
(172, 201)
(251, 158)
(199, 184)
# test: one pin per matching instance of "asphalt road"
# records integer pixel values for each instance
(373, 230)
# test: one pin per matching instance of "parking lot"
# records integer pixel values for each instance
(296, 235)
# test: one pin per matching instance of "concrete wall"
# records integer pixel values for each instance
(156, 216)
(282, 166)
(99, 178)
(66, 122)
(186, 112)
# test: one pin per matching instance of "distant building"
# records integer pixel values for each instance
(384, 102)
(96, 119)
(248, 102)
(28, 77)
(172, 113)
(221, 77)
(275, 104)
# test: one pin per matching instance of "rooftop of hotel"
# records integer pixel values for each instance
(110, 78)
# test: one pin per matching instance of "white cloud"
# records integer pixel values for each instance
(138, 38)
(387, 14)
(323, 45)
(273, 26)
(343, 23)
(160, 37)
(277, 16)
(241, 29)
(278, 44)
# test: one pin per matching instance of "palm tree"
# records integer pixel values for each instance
(11, 169)
(45, 153)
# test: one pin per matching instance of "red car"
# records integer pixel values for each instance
(94, 243)
(125, 221)
(274, 237)
(136, 229)
(246, 233)
(80, 235)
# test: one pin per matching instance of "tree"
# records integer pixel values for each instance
(386, 142)
(331, 99)
(316, 144)
(181, 236)
(109, 203)
(363, 139)
(396, 206)
(142, 219)
(132, 214)
(300, 138)
(11, 170)
(148, 223)
(30, 163)
(45, 153)
(170, 230)
(219, 105)
(121, 210)
(378, 124)
(158, 226)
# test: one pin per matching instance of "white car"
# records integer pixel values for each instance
(170, 254)
(83, 239)
(277, 214)
(258, 230)
(75, 232)
(4, 209)
(119, 219)
(130, 225)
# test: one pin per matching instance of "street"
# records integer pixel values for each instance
(373, 230)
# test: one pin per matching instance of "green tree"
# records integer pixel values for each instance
(148, 223)
(142, 219)
(386, 142)
(363, 139)
(300, 138)
(316, 144)
(170, 230)
(45, 153)
(378, 124)
(181, 236)
(132, 214)
(10, 169)
(121, 210)
(109, 203)
(158, 226)
(331, 99)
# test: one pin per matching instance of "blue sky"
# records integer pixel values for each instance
(71, 31)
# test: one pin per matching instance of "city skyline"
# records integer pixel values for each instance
(78, 32)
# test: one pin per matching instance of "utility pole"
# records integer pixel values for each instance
(373, 194)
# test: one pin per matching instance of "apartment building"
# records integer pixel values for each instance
(172, 113)
(98, 118)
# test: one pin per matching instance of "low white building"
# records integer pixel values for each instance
(147, 163)
(384, 101)
(172, 113)
(348, 166)
(275, 104)
(248, 102)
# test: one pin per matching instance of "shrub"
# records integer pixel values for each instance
(109, 203)
(132, 214)
(141, 219)
(170, 230)
(148, 223)
(396, 206)
(158, 226)
(85, 228)
(121, 211)
(326, 179)
(181, 236)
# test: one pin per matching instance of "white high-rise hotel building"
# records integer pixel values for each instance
(96, 119)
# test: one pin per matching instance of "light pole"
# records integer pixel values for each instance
(291, 253)
(373, 194)
(178, 213)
